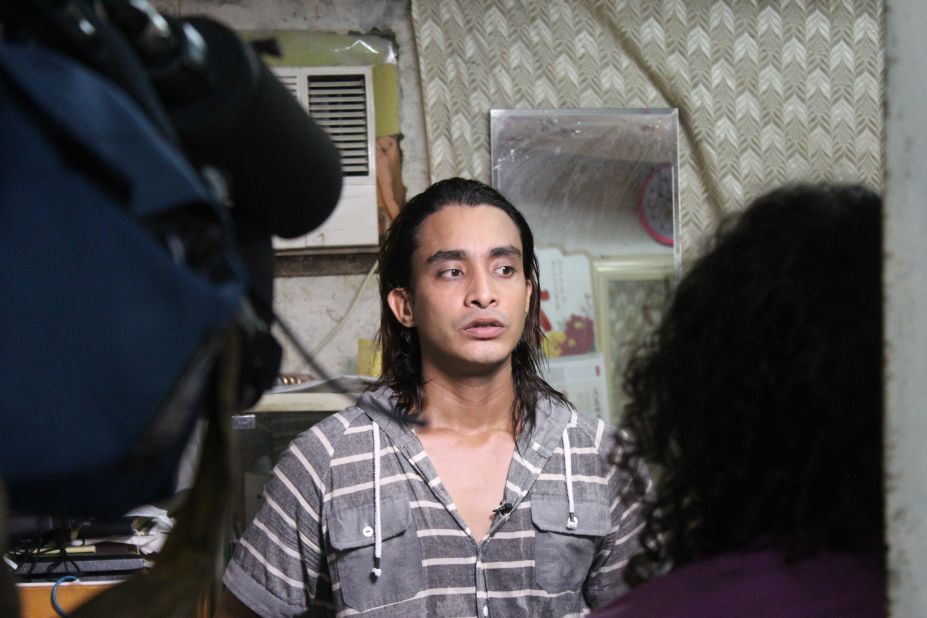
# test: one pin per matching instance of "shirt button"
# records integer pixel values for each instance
(368, 531)
(485, 610)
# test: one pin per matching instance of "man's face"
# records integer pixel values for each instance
(470, 297)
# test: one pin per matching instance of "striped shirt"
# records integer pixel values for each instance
(311, 547)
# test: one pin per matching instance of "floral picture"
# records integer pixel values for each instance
(567, 304)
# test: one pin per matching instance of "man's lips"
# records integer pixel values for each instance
(484, 328)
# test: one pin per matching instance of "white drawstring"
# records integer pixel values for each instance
(377, 532)
(568, 462)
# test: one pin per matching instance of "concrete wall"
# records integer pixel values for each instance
(313, 305)
(341, 16)
(906, 306)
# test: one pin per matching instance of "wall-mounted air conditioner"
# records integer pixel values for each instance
(340, 100)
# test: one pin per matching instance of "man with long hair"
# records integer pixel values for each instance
(464, 485)
(758, 405)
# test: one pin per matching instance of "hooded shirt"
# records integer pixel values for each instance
(355, 520)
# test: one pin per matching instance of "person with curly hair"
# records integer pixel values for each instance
(757, 405)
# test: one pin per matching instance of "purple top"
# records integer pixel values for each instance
(760, 585)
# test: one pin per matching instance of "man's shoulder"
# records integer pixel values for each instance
(330, 436)
(592, 424)
(337, 424)
(592, 429)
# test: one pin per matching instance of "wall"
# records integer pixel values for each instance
(389, 17)
(768, 92)
(906, 307)
(313, 305)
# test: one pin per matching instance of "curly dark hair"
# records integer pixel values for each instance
(757, 402)
(402, 363)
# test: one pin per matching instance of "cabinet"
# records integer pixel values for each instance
(263, 433)
(35, 598)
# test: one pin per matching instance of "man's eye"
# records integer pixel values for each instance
(507, 270)
(452, 273)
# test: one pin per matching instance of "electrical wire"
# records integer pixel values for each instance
(264, 308)
(309, 357)
(334, 330)
(54, 592)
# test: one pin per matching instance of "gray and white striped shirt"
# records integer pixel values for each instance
(312, 546)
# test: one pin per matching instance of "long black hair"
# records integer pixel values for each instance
(402, 363)
(757, 403)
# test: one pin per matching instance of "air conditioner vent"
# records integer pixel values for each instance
(290, 82)
(339, 104)
(340, 100)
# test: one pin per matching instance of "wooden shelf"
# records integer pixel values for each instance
(35, 598)
(301, 402)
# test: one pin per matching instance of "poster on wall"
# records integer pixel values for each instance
(582, 381)
(567, 303)
(575, 367)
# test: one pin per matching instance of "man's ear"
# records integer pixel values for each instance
(528, 297)
(400, 303)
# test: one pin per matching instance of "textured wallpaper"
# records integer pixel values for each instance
(768, 92)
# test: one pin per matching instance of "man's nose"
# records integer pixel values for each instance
(482, 290)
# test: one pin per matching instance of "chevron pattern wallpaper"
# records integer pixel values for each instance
(768, 92)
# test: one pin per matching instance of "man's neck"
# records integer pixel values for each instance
(470, 405)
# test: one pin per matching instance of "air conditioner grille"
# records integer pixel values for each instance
(290, 82)
(338, 103)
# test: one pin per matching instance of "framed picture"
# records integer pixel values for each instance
(568, 313)
(630, 294)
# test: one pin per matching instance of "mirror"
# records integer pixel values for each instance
(603, 182)
(600, 191)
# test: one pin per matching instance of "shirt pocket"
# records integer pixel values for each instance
(351, 532)
(562, 557)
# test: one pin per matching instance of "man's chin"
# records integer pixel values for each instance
(474, 366)
(484, 366)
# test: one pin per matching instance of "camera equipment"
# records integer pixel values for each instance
(146, 163)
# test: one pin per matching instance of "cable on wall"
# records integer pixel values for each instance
(337, 327)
